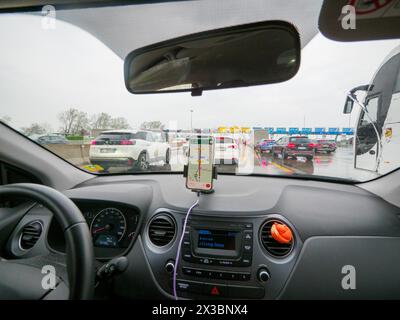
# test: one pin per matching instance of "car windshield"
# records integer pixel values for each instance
(62, 74)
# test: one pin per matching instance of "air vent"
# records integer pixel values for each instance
(30, 235)
(276, 248)
(162, 230)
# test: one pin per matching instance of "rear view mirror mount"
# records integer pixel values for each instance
(239, 56)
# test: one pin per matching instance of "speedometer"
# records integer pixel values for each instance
(108, 227)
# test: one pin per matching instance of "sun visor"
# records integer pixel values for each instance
(358, 20)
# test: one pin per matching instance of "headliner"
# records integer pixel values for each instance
(126, 28)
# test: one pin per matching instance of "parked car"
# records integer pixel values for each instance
(129, 148)
(226, 151)
(50, 138)
(327, 146)
(299, 146)
(265, 145)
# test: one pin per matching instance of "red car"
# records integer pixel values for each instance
(327, 146)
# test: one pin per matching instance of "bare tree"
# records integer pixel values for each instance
(36, 128)
(81, 123)
(67, 119)
(119, 123)
(105, 121)
(73, 121)
(152, 125)
(101, 121)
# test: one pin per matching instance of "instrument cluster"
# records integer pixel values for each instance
(113, 227)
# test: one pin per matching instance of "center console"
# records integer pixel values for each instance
(216, 260)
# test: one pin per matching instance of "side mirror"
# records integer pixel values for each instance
(348, 106)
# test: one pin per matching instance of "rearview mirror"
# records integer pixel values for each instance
(245, 55)
(348, 105)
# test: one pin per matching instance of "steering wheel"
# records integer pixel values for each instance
(79, 253)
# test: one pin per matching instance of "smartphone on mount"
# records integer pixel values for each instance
(200, 165)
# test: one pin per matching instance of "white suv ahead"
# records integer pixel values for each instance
(127, 148)
(226, 151)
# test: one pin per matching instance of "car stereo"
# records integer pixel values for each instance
(217, 261)
(218, 243)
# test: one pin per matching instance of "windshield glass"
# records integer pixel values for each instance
(62, 86)
(224, 140)
(299, 140)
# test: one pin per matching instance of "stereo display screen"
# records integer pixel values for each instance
(217, 239)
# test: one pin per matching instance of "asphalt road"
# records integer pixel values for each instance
(338, 164)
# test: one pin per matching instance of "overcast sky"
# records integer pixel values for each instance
(43, 72)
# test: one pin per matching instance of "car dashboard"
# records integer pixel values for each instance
(227, 250)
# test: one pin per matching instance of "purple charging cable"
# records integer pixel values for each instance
(178, 252)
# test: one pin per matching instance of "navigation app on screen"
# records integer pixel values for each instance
(200, 169)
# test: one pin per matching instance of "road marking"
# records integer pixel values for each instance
(281, 167)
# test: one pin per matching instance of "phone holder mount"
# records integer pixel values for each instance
(215, 176)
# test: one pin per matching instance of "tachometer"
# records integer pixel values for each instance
(108, 227)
